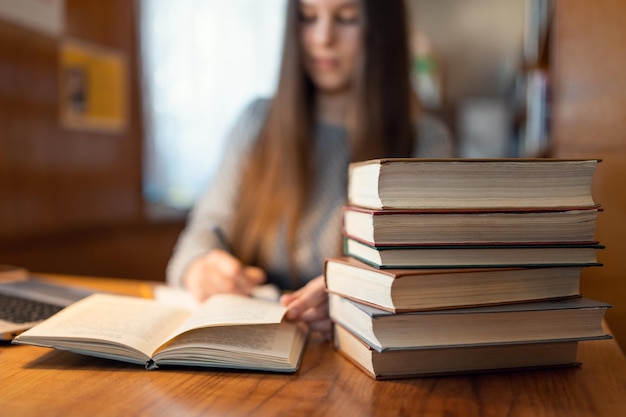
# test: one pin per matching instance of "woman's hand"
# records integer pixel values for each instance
(220, 272)
(310, 304)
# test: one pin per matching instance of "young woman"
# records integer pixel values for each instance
(344, 94)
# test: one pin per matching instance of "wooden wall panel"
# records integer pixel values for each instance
(589, 121)
(53, 179)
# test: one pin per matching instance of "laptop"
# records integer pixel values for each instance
(26, 301)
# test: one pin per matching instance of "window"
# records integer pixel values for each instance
(203, 61)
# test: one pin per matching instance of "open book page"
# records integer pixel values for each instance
(232, 309)
(260, 346)
(182, 297)
(140, 323)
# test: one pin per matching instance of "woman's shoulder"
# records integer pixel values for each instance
(256, 109)
(249, 121)
(434, 137)
(429, 124)
(260, 103)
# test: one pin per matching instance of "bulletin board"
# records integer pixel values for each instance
(93, 87)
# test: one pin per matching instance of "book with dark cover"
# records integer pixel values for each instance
(474, 256)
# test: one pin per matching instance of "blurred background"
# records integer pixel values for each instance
(113, 114)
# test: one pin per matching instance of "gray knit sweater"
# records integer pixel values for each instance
(319, 235)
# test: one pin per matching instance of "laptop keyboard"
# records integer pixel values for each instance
(20, 310)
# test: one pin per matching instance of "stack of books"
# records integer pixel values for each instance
(465, 265)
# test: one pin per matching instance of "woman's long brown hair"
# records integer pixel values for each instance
(276, 184)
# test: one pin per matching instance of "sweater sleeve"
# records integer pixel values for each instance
(215, 205)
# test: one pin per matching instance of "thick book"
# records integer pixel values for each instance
(227, 331)
(475, 256)
(398, 290)
(572, 318)
(430, 227)
(410, 183)
(410, 363)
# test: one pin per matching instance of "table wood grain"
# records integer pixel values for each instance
(37, 381)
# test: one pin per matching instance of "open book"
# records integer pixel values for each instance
(227, 331)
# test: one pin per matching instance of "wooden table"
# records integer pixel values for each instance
(42, 382)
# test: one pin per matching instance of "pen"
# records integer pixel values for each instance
(221, 238)
(268, 292)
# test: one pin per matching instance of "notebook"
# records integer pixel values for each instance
(26, 300)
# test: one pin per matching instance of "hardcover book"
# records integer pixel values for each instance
(573, 318)
(430, 227)
(413, 183)
(409, 363)
(227, 331)
(398, 290)
(476, 256)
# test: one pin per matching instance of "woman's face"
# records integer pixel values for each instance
(330, 35)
